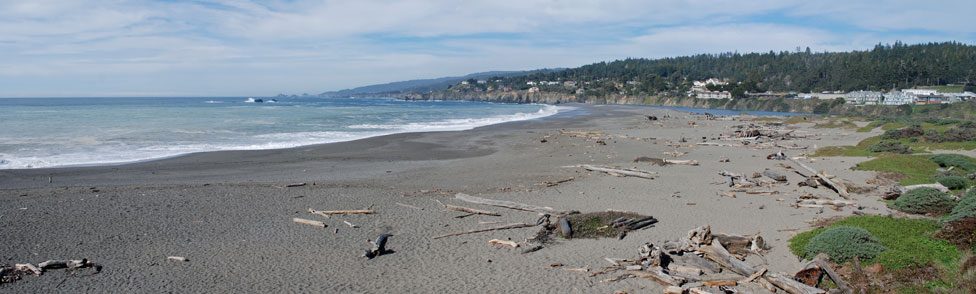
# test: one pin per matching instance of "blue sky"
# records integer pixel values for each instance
(256, 48)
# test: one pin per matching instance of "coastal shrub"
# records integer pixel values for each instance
(914, 130)
(959, 161)
(959, 134)
(953, 182)
(890, 146)
(944, 121)
(966, 208)
(933, 136)
(908, 241)
(968, 124)
(842, 243)
(924, 200)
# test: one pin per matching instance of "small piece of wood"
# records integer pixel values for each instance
(754, 276)
(681, 162)
(634, 267)
(658, 275)
(505, 227)
(561, 132)
(512, 205)
(29, 268)
(790, 285)
(56, 264)
(308, 222)
(625, 172)
(698, 291)
(506, 243)
(177, 258)
(316, 212)
(578, 270)
(465, 209)
(716, 283)
(350, 224)
(685, 270)
(330, 212)
(839, 203)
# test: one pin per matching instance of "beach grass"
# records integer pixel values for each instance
(918, 169)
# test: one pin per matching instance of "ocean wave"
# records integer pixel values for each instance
(86, 151)
(461, 124)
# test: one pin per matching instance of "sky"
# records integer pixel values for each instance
(66, 48)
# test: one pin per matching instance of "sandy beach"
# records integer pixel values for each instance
(230, 213)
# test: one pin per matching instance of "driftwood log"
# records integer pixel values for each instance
(790, 285)
(506, 243)
(841, 190)
(681, 162)
(330, 212)
(512, 205)
(465, 209)
(717, 253)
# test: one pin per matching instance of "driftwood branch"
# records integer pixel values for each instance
(840, 189)
(465, 209)
(329, 212)
(309, 222)
(790, 285)
(505, 227)
(618, 171)
(506, 243)
(512, 205)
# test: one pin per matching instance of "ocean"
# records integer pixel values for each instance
(58, 132)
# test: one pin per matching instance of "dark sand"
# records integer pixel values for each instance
(228, 213)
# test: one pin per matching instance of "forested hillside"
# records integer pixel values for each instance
(883, 67)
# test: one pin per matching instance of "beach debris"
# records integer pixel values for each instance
(330, 212)
(512, 205)
(565, 228)
(350, 224)
(309, 222)
(820, 176)
(17, 271)
(505, 227)
(379, 247)
(556, 183)
(562, 132)
(465, 209)
(681, 162)
(316, 212)
(177, 258)
(620, 172)
(578, 270)
(505, 243)
(775, 175)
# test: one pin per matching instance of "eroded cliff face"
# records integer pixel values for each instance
(765, 104)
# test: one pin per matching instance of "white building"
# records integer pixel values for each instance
(530, 83)
(898, 98)
(714, 95)
(917, 92)
(863, 97)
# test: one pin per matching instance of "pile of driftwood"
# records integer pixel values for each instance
(12, 273)
(686, 266)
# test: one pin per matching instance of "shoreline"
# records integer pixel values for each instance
(229, 212)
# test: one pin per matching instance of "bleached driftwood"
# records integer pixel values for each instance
(316, 212)
(790, 285)
(619, 171)
(512, 205)
(30, 268)
(177, 258)
(330, 212)
(717, 253)
(465, 209)
(840, 189)
(505, 227)
(839, 203)
(308, 222)
(681, 162)
(658, 275)
(350, 224)
(506, 243)
(56, 264)
(776, 176)
(821, 261)
(754, 276)
(561, 132)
